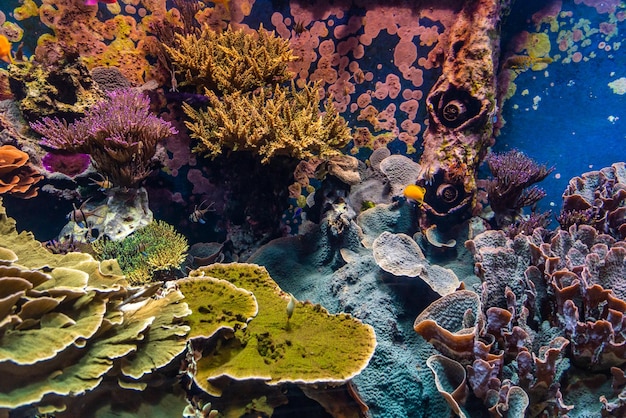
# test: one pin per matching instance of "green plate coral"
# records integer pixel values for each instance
(312, 346)
(69, 323)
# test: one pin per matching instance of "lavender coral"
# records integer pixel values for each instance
(120, 134)
(512, 186)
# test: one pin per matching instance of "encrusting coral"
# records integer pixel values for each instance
(120, 134)
(232, 60)
(65, 89)
(70, 324)
(17, 176)
(270, 122)
(154, 249)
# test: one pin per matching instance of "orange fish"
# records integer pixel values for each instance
(415, 192)
(5, 50)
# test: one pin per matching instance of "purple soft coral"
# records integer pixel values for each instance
(120, 135)
(511, 187)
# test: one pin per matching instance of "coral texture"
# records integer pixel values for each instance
(17, 176)
(232, 60)
(120, 134)
(597, 198)
(73, 314)
(270, 122)
(65, 89)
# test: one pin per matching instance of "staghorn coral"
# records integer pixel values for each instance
(232, 60)
(70, 325)
(17, 176)
(269, 123)
(151, 251)
(120, 134)
(512, 186)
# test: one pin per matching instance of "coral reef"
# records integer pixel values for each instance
(148, 254)
(597, 198)
(557, 318)
(270, 122)
(70, 325)
(64, 90)
(120, 134)
(17, 176)
(231, 61)
(512, 186)
(460, 106)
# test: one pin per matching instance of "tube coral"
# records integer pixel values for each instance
(120, 134)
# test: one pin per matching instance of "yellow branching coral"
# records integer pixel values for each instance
(282, 121)
(231, 60)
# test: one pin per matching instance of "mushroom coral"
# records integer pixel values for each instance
(69, 323)
(311, 346)
(17, 176)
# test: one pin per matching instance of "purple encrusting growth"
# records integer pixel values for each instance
(120, 134)
(512, 186)
(69, 164)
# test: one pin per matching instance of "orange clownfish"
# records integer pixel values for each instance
(5, 50)
(415, 192)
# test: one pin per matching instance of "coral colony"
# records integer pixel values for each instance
(255, 207)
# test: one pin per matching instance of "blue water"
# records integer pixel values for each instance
(579, 124)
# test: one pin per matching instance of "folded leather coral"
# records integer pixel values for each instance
(597, 198)
(17, 176)
(69, 324)
(551, 301)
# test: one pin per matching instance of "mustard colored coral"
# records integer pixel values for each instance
(232, 60)
(68, 324)
(271, 122)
